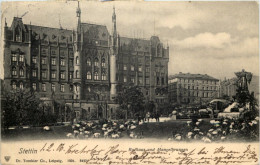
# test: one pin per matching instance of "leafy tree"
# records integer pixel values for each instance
(131, 99)
(21, 107)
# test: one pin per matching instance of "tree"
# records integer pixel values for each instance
(131, 100)
(21, 107)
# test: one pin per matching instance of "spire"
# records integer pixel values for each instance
(114, 22)
(78, 12)
(5, 23)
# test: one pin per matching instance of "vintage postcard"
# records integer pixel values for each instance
(129, 82)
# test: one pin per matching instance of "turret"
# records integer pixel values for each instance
(113, 56)
(77, 57)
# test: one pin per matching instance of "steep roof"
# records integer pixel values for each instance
(138, 44)
(192, 76)
(95, 31)
(50, 33)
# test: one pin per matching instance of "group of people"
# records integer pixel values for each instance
(148, 116)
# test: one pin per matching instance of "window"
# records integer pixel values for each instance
(140, 80)
(103, 77)
(44, 74)
(53, 74)
(53, 52)
(162, 81)
(34, 59)
(71, 88)
(21, 58)
(77, 74)
(62, 75)
(88, 75)
(77, 60)
(95, 76)
(96, 62)
(21, 85)
(132, 68)
(34, 86)
(21, 72)
(103, 63)
(147, 81)
(43, 60)
(125, 79)
(62, 62)
(140, 68)
(14, 59)
(62, 87)
(13, 85)
(34, 73)
(14, 71)
(88, 62)
(125, 67)
(44, 87)
(147, 69)
(17, 37)
(132, 79)
(71, 75)
(53, 87)
(71, 62)
(53, 61)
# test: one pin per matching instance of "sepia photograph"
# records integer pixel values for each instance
(129, 82)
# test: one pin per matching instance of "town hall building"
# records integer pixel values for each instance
(85, 67)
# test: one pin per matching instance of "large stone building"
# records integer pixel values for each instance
(186, 88)
(85, 67)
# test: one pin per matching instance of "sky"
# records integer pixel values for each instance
(214, 38)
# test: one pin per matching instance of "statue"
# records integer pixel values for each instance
(244, 78)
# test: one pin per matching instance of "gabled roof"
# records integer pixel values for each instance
(95, 31)
(192, 76)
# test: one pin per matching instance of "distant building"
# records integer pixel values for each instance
(192, 88)
(228, 87)
(86, 67)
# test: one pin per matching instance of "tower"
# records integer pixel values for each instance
(113, 56)
(77, 57)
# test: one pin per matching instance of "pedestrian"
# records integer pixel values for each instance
(147, 116)
(157, 116)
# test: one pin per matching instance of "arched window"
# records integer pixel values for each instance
(77, 74)
(88, 75)
(103, 62)
(21, 85)
(21, 72)
(14, 85)
(103, 77)
(88, 62)
(14, 71)
(21, 58)
(96, 62)
(95, 76)
(77, 60)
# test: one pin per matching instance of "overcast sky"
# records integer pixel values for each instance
(215, 38)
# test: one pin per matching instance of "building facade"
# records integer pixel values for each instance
(228, 87)
(85, 67)
(186, 88)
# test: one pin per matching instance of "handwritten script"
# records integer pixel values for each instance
(116, 154)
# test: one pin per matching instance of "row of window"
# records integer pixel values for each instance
(197, 81)
(43, 87)
(203, 88)
(14, 58)
(196, 94)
